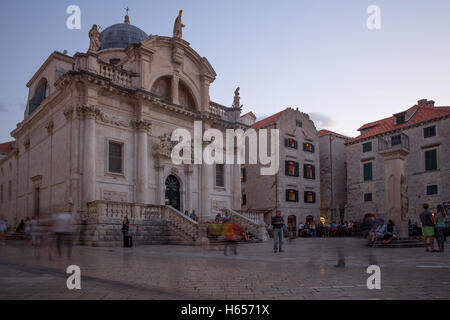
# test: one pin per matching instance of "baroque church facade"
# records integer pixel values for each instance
(97, 134)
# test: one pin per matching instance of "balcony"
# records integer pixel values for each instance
(394, 142)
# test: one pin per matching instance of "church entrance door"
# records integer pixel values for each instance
(173, 192)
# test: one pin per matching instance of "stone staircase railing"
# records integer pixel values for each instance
(255, 216)
(258, 228)
(183, 225)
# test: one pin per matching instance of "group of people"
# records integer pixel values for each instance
(193, 215)
(51, 231)
(384, 232)
(434, 226)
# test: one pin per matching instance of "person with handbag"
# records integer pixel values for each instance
(278, 225)
(440, 227)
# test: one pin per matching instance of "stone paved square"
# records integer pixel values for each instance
(305, 271)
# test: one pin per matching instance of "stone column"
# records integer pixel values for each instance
(88, 113)
(143, 128)
(205, 82)
(188, 198)
(207, 184)
(396, 208)
(236, 187)
(175, 86)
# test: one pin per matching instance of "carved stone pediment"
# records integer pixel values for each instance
(105, 118)
(143, 125)
(88, 111)
(49, 126)
(164, 146)
(27, 143)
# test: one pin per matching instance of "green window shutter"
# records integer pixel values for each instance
(368, 176)
(314, 172)
(286, 168)
(286, 142)
(430, 160)
(297, 169)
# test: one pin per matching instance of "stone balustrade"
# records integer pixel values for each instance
(117, 76)
(218, 110)
(188, 228)
(258, 228)
(255, 216)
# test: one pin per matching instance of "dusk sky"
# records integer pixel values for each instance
(316, 55)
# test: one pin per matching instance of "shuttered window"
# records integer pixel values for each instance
(432, 190)
(429, 132)
(308, 147)
(292, 169)
(115, 157)
(291, 195)
(431, 160)
(309, 171)
(368, 175)
(220, 178)
(367, 147)
(310, 197)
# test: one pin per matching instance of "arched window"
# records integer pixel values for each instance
(185, 96)
(42, 92)
(163, 88)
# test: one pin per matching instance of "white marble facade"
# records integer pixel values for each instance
(132, 97)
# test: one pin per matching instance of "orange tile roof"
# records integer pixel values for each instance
(7, 147)
(419, 114)
(325, 132)
(267, 121)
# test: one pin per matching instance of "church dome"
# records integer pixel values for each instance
(120, 36)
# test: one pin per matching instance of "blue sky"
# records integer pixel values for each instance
(316, 55)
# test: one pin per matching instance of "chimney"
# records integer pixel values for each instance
(426, 103)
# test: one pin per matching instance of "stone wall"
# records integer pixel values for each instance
(417, 177)
(333, 176)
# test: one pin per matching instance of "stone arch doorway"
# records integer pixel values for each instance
(173, 193)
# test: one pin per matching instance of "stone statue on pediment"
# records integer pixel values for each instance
(94, 36)
(237, 99)
(178, 27)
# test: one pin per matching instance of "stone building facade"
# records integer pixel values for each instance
(423, 132)
(97, 133)
(333, 175)
(295, 189)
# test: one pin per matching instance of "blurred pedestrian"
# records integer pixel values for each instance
(27, 229)
(36, 236)
(3, 229)
(62, 228)
(440, 226)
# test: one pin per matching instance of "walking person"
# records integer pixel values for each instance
(427, 219)
(230, 237)
(440, 227)
(125, 231)
(36, 237)
(27, 229)
(3, 229)
(62, 228)
(278, 225)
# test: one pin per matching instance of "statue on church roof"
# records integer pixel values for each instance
(237, 99)
(178, 27)
(94, 36)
